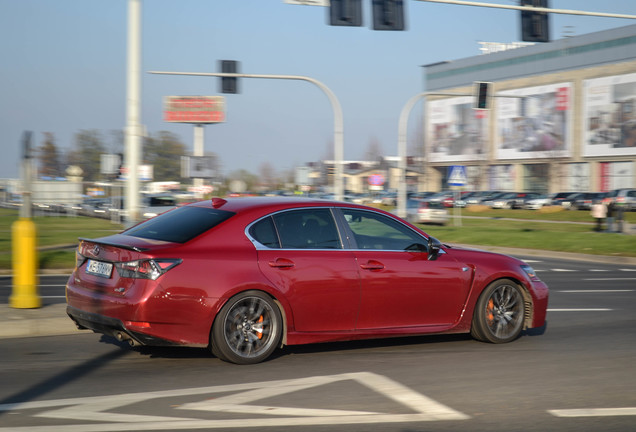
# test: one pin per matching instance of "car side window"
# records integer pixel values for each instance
(376, 231)
(264, 232)
(307, 229)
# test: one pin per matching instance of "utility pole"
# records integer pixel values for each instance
(133, 132)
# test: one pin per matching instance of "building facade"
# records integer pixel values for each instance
(562, 116)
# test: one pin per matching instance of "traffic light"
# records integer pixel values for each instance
(27, 146)
(388, 14)
(535, 25)
(482, 95)
(229, 84)
(345, 13)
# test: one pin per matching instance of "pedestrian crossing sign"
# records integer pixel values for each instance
(457, 175)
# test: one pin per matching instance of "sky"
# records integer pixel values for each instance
(63, 69)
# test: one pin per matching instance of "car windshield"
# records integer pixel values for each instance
(179, 225)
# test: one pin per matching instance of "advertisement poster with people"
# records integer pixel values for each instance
(609, 107)
(534, 122)
(456, 131)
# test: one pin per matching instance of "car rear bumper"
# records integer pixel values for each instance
(113, 327)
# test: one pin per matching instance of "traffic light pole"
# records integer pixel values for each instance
(337, 110)
(532, 9)
(402, 130)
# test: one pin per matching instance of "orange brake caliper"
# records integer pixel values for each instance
(489, 315)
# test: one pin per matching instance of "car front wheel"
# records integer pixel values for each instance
(499, 313)
(248, 329)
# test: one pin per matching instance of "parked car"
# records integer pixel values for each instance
(512, 200)
(564, 199)
(245, 276)
(538, 202)
(490, 200)
(444, 197)
(584, 200)
(479, 197)
(426, 212)
(625, 198)
(465, 196)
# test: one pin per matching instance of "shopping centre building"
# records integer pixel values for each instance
(562, 116)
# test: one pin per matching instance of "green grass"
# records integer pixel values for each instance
(563, 237)
(479, 226)
(51, 232)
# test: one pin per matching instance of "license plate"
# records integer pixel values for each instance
(99, 268)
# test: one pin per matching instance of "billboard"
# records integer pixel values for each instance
(194, 109)
(198, 167)
(535, 122)
(456, 131)
(609, 111)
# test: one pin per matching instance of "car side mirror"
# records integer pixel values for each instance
(433, 249)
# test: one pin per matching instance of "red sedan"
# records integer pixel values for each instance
(246, 276)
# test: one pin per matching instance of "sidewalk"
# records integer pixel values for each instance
(51, 320)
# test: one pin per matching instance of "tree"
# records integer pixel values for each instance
(163, 151)
(49, 157)
(374, 151)
(243, 178)
(267, 176)
(87, 152)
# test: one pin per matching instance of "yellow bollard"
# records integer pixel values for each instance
(25, 295)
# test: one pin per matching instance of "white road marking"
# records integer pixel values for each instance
(594, 412)
(562, 270)
(94, 408)
(580, 310)
(596, 291)
(608, 279)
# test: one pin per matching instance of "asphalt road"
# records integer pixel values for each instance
(579, 375)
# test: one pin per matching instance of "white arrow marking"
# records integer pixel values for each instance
(93, 408)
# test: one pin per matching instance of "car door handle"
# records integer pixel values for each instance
(372, 265)
(281, 263)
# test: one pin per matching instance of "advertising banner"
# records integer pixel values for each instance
(456, 131)
(609, 111)
(502, 177)
(194, 109)
(578, 177)
(615, 175)
(535, 122)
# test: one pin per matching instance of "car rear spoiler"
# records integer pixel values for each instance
(107, 243)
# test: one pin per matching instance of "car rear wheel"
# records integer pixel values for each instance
(499, 313)
(248, 329)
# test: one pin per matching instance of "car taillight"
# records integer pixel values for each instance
(146, 268)
(79, 259)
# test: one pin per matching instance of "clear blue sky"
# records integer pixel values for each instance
(63, 69)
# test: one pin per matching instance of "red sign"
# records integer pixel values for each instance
(562, 99)
(481, 113)
(376, 180)
(194, 109)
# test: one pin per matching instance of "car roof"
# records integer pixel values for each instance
(269, 204)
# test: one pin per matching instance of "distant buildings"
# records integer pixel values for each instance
(563, 116)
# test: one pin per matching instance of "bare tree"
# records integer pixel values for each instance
(49, 157)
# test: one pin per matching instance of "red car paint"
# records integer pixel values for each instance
(345, 292)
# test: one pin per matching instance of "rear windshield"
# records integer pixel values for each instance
(179, 225)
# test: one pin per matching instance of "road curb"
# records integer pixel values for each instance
(50, 320)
